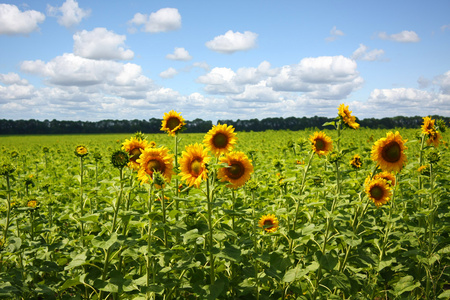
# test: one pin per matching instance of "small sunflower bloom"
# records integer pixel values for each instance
(172, 123)
(378, 191)
(346, 116)
(388, 152)
(155, 160)
(388, 176)
(269, 223)
(134, 147)
(81, 151)
(355, 162)
(321, 143)
(193, 164)
(238, 170)
(428, 125)
(220, 139)
(32, 203)
(434, 138)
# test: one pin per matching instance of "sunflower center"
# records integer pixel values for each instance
(268, 224)
(154, 165)
(235, 171)
(376, 192)
(320, 144)
(220, 140)
(391, 152)
(172, 123)
(196, 167)
(135, 154)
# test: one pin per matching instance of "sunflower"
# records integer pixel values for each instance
(355, 162)
(428, 126)
(172, 122)
(193, 164)
(155, 160)
(389, 153)
(321, 143)
(81, 151)
(238, 170)
(32, 203)
(134, 147)
(388, 176)
(434, 138)
(378, 191)
(346, 116)
(220, 139)
(269, 223)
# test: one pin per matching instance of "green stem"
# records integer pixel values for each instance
(163, 206)
(430, 233)
(149, 239)
(8, 209)
(422, 143)
(302, 187)
(81, 202)
(210, 227)
(255, 240)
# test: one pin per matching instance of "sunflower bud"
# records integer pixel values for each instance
(6, 168)
(119, 159)
(97, 156)
(433, 157)
(440, 124)
(139, 135)
(158, 179)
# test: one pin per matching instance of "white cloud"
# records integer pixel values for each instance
(443, 81)
(402, 37)
(233, 41)
(220, 81)
(69, 14)
(169, 73)
(13, 21)
(179, 54)
(12, 78)
(334, 34)
(362, 53)
(101, 44)
(165, 19)
(14, 88)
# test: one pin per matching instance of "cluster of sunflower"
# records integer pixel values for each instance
(429, 129)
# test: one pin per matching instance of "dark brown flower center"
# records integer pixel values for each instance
(235, 171)
(320, 144)
(376, 192)
(134, 154)
(196, 167)
(220, 140)
(155, 165)
(391, 152)
(172, 123)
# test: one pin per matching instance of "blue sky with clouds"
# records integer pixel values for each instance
(136, 59)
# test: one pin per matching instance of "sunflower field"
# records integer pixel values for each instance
(338, 212)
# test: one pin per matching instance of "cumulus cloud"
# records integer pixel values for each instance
(14, 88)
(443, 81)
(165, 19)
(13, 21)
(363, 53)
(179, 54)
(68, 14)
(169, 73)
(101, 43)
(402, 37)
(231, 42)
(334, 34)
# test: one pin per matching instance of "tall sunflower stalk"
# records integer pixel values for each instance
(81, 151)
(6, 169)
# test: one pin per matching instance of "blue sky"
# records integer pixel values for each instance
(96, 60)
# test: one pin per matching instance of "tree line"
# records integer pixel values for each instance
(153, 125)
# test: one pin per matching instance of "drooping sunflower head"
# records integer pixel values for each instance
(81, 151)
(238, 170)
(269, 223)
(193, 164)
(378, 191)
(321, 143)
(220, 139)
(434, 138)
(388, 176)
(388, 152)
(172, 123)
(428, 126)
(355, 162)
(155, 160)
(346, 116)
(134, 147)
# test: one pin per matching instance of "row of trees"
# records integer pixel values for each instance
(153, 125)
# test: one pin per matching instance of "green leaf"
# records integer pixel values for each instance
(71, 282)
(104, 243)
(444, 295)
(230, 252)
(14, 244)
(77, 261)
(332, 123)
(190, 235)
(327, 261)
(405, 284)
(90, 218)
(294, 274)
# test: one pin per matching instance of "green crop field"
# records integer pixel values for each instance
(328, 213)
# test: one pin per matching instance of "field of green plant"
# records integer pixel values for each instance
(311, 222)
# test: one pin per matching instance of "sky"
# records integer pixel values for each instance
(223, 60)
